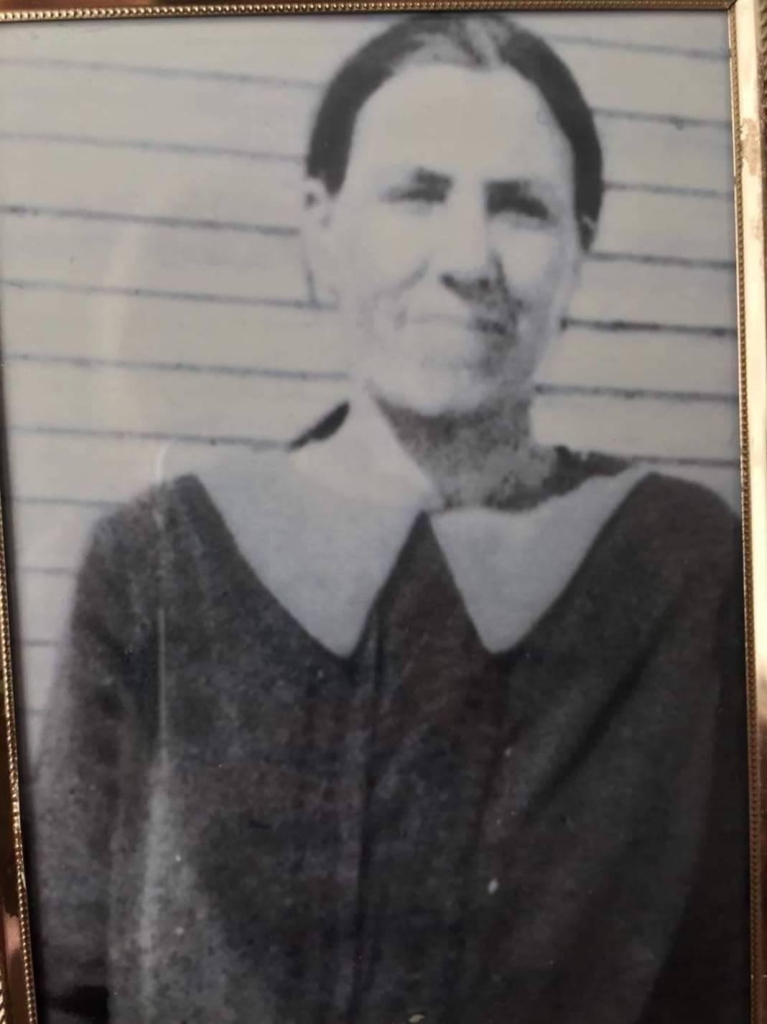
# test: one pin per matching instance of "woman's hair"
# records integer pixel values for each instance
(478, 41)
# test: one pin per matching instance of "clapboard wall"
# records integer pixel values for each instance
(154, 297)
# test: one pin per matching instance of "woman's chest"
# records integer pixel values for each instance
(382, 825)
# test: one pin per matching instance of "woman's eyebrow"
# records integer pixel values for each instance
(431, 179)
(420, 177)
(501, 194)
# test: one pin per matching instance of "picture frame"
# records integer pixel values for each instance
(153, 227)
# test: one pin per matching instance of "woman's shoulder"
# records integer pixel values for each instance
(640, 508)
(180, 515)
(215, 527)
(682, 502)
(679, 521)
(669, 493)
(142, 521)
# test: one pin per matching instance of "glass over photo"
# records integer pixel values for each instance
(374, 509)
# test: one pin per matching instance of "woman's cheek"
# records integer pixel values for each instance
(533, 263)
(391, 245)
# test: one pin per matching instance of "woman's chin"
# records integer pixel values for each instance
(431, 399)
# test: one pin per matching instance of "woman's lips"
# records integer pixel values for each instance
(451, 342)
(477, 323)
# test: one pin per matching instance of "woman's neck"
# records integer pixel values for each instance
(470, 458)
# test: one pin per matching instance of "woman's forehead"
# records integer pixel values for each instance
(489, 123)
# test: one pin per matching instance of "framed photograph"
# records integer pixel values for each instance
(383, 488)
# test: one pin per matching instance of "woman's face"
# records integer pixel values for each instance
(452, 245)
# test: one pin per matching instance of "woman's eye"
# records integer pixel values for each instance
(414, 198)
(526, 211)
(518, 205)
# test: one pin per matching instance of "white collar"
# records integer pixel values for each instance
(323, 526)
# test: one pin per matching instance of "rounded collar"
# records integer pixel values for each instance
(323, 525)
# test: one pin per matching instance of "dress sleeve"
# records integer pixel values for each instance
(76, 795)
(707, 979)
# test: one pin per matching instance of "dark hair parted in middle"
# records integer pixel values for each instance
(485, 42)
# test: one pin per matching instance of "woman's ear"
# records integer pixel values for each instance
(320, 253)
(577, 271)
(569, 284)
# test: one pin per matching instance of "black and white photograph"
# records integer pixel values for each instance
(373, 505)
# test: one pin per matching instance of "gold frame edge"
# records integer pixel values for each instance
(17, 1001)
(19, 10)
(748, 34)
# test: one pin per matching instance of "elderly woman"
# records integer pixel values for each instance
(418, 719)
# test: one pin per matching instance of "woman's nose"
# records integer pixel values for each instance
(463, 251)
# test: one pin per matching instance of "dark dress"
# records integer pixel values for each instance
(236, 825)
